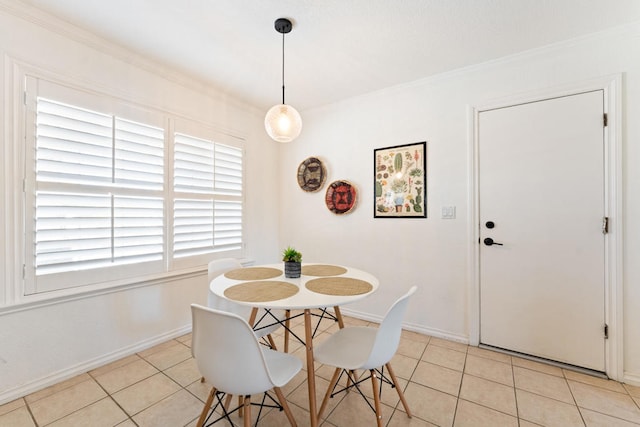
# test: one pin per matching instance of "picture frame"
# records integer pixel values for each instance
(400, 181)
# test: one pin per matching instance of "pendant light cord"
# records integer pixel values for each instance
(282, 68)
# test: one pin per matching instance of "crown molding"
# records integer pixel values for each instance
(628, 30)
(45, 20)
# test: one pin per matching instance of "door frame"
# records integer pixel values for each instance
(613, 299)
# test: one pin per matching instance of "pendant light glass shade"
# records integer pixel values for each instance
(283, 123)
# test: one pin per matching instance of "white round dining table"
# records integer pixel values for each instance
(319, 286)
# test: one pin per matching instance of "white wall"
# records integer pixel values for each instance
(41, 343)
(47, 341)
(433, 253)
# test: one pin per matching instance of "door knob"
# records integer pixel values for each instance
(489, 241)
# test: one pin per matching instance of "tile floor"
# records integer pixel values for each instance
(446, 384)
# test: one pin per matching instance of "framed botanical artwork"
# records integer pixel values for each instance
(400, 181)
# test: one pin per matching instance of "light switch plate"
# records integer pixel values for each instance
(448, 212)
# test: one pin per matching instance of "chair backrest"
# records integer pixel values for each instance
(388, 335)
(221, 266)
(216, 268)
(227, 352)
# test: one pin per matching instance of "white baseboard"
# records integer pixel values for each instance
(409, 326)
(72, 371)
(631, 379)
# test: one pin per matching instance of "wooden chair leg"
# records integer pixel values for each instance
(398, 389)
(207, 407)
(287, 323)
(272, 343)
(332, 384)
(241, 405)
(376, 397)
(336, 309)
(285, 406)
(227, 401)
(247, 411)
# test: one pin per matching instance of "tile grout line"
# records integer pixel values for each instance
(464, 368)
(395, 408)
(564, 376)
(110, 396)
(515, 391)
(33, 418)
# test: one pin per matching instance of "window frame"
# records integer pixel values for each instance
(116, 275)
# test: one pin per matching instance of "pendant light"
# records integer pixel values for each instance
(283, 122)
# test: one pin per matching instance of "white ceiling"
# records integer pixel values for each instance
(338, 48)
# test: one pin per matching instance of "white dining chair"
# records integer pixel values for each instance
(266, 322)
(365, 348)
(234, 363)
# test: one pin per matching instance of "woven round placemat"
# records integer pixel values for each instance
(261, 291)
(253, 273)
(339, 286)
(321, 270)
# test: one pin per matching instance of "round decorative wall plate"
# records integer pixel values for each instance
(311, 174)
(340, 197)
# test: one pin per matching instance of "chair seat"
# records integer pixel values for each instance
(348, 348)
(282, 366)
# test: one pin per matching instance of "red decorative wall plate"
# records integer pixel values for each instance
(340, 197)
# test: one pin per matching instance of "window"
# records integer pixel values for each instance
(208, 190)
(95, 181)
(103, 202)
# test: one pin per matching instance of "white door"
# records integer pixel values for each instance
(541, 200)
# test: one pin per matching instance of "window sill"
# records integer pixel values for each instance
(58, 297)
(30, 302)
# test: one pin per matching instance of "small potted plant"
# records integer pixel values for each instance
(292, 263)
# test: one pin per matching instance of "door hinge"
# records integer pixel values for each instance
(606, 331)
(605, 224)
(605, 119)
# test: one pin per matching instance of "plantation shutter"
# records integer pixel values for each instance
(208, 196)
(73, 145)
(103, 204)
(99, 182)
